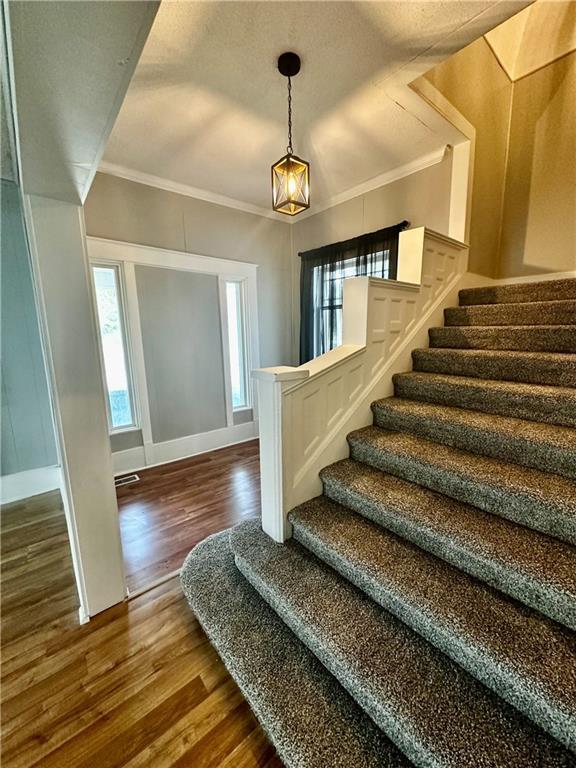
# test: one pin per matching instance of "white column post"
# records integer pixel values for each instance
(61, 272)
(274, 447)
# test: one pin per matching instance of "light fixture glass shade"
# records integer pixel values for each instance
(290, 185)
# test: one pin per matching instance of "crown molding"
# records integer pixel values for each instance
(112, 169)
(419, 164)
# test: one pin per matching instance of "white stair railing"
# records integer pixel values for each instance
(307, 411)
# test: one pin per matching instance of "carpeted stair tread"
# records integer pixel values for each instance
(538, 500)
(546, 290)
(527, 659)
(529, 313)
(548, 447)
(310, 718)
(437, 713)
(537, 570)
(527, 338)
(552, 368)
(534, 402)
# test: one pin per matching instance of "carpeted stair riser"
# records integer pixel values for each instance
(552, 405)
(533, 313)
(429, 706)
(467, 620)
(542, 338)
(548, 368)
(312, 721)
(537, 570)
(541, 501)
(549, 448)
(547, 290)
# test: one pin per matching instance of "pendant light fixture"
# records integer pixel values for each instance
(291, 174)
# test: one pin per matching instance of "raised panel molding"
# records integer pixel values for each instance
(320, 402)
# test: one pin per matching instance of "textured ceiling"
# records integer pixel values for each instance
(207, 108)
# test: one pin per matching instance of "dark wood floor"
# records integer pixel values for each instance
(176, 505)
(139, 686)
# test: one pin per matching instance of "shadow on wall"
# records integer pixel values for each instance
(538, 232)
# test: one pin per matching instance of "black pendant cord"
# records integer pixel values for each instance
(289, 149)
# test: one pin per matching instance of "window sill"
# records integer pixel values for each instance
(124, 430)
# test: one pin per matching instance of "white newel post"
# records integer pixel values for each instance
(273, 461)
(305, 413)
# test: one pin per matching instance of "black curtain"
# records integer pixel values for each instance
(322, 273)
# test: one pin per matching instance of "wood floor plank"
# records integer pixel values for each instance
(176, 505)
(139, 686)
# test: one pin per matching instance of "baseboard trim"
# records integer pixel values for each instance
(541, 278)
(156, 454)
(23, 485)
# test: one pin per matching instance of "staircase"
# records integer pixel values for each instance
(424, 612)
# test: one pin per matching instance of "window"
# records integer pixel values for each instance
(107, 287)
(322, 274)
(237, 345)
(328, 292)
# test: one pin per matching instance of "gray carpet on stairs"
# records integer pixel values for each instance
(538, 500)
(424, 612)
(531, 313)
(533, 402)
(309, 717)
(552, 368)
(538, 570)
(542, 446)
(547, 290)
(541, 338)
(525, 658)
(429, 706)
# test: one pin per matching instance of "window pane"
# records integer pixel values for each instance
(113, 347)
(236, 345)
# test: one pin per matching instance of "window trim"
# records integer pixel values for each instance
(246, 336)
(118, 267)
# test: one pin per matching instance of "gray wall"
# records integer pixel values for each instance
(181, 334)
(135, 213)
(28, 440)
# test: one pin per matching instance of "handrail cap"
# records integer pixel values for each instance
(280, 373)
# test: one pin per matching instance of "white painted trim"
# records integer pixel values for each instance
(122, 172)
(135, 459)
(225, 356)
(137, 351)
(307, 412)
(118, 268)
(419, 164)
(32, 482)
(462, 179)
(394, 174)
(99, 586)
(101, 249)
